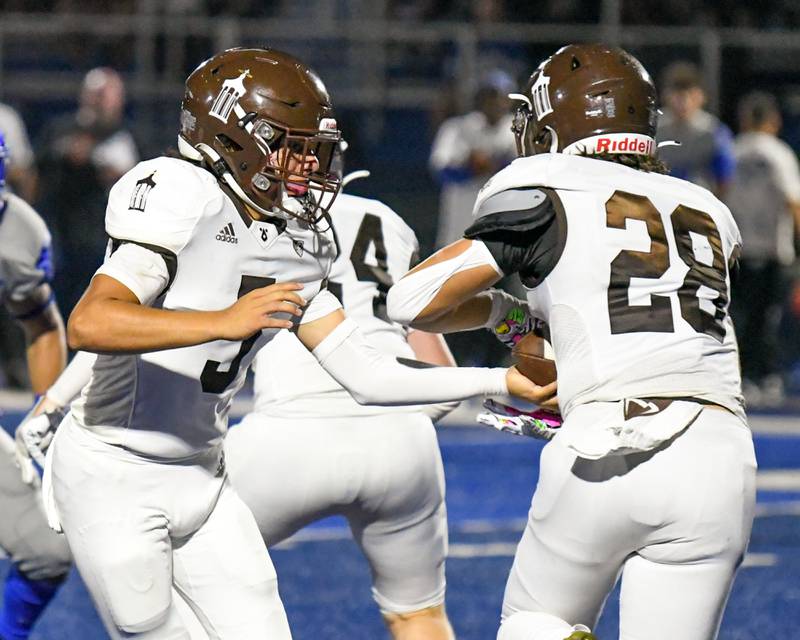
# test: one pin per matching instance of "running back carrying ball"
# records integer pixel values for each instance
(529, 358)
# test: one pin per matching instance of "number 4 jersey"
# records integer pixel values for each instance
(630, 269)
(179, 242)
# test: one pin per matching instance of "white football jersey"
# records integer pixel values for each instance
(174, 403)
(377, 248)
(637, 302)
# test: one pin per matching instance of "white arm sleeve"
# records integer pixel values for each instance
(373, 377)
(73, 379)
(144, 272)
(439, 410)
(410, 295)
(321, 305)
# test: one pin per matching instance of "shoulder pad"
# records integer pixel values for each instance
(522, 172)
(522, 209)
(160, 201)
(24, 224)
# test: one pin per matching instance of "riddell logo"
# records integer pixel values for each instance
(637, 145)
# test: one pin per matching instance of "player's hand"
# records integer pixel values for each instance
(521, 387)
(32, 438)
(255, 310)
(514, 326)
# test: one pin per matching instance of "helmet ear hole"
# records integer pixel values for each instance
(230, 145)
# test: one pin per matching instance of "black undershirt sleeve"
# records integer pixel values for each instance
(526, 241)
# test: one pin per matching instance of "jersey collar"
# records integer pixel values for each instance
(264, 231)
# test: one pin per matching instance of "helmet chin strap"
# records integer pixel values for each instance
(289, 205)
(220, 169)
(553, 139)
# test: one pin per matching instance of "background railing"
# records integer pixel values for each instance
(391, 80)
(373, 64)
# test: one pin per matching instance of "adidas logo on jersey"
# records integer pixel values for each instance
(227, 234)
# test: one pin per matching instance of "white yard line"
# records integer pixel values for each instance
(778, 480)
(488, 526)
(488, 550)
(508, 549)
(760, 560)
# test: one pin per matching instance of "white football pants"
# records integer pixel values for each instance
(675, 521)
(383, 473)
(137, 528)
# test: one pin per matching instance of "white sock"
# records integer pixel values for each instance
(528, 625)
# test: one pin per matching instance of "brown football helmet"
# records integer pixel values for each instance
(587, 99)
(262, 122)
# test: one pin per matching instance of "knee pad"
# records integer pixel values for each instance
(530, 625)
(142, 627)
(130, 577)
(393, 608)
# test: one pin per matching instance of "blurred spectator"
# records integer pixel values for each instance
(765, 200)
(467, 150)
(705, 154)
(82, 155)
(21, 171)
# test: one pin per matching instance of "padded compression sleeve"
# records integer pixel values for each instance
(372, 377)
(73, 379)
(410, 295)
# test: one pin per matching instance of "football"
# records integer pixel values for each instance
(529, 358)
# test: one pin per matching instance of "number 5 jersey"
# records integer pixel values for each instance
(630, 269)
(179, 242)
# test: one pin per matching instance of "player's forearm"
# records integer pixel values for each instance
(372, 377)
(118, 326)
(430, 348)
(69, 384)
(472, 314)
(47, 355)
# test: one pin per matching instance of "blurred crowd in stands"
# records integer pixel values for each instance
(722, 13)
(67, 175)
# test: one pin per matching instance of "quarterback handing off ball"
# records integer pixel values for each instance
(530, 358)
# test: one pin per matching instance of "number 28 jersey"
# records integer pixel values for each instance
(174, 403)
(630, 269)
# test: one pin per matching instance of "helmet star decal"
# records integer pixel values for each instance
(541, 97)
(228, 96)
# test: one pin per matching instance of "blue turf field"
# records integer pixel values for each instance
(490, 479)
